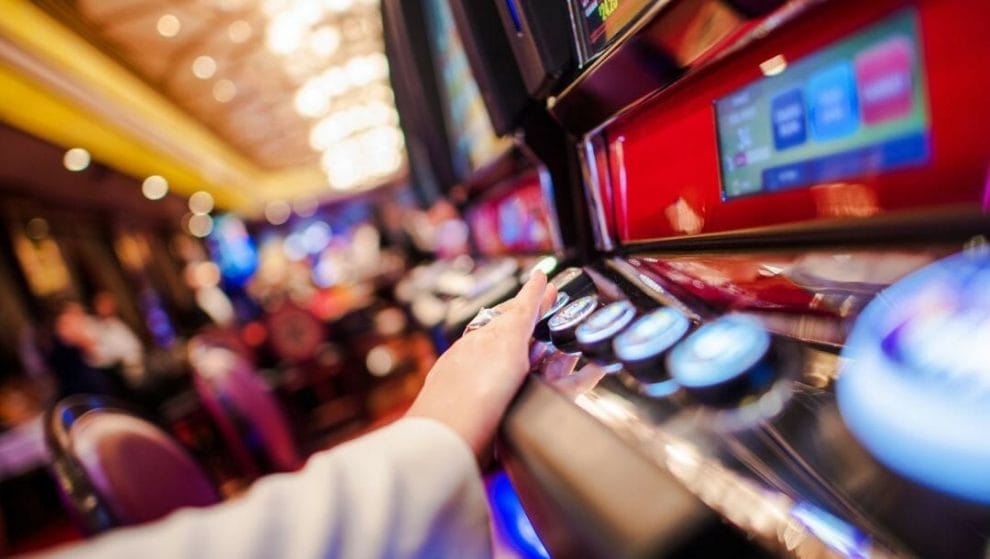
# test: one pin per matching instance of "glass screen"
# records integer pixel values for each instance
(472, 137)
(857, 108)
(603, 20)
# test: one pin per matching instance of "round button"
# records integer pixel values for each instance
(916, 389)
(542, 330)
(644, 345)
(563, 325)
(574, 281)
(723, 361)
(595, 334)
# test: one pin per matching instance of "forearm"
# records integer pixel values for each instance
(408, 490)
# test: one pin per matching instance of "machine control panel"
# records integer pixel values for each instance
(916, 392)
(644, 346)
(542, 330)
(763, 408)
(724, 361)
(563, 325)
(595, 335)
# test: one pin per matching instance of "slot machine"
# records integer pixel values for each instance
(466, 113)
(779, 336)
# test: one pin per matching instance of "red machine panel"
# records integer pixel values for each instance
(516, 219)
(665, 176)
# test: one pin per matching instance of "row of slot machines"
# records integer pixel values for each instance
(769, 241)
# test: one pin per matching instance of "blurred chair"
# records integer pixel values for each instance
(116, 469)
(248, 416)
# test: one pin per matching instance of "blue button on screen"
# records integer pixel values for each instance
(787, 114)
(832, 102)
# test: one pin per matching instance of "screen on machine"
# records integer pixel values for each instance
(855, 109)
(471, 134)
(603, 20)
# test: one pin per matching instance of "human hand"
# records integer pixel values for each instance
(473, 382)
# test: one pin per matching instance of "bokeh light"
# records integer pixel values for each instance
(76, 159)
(154, 187)
(201, 203)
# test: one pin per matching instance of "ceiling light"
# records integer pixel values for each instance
(204, 67)
(327, 132)
(383, 137)
(201, 203)
(277, 212)
(311, 101)
(271, 8)
(344, 165)
(154, 187)
(200, 225)
(288, 27)
(224, 90)
(361, 70)
(338, 5)
(168, 26)
(76, 159)
(231, 5)
(239, 31)
(335, 81)
(324, 41)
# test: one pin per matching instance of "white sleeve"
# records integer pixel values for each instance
(411, 489)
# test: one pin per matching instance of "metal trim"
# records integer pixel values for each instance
(592, 194)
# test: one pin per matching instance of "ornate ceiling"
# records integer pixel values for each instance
(254, 100)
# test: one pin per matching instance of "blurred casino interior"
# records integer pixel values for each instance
(257, 223)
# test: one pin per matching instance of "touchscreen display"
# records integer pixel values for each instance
(854, 109)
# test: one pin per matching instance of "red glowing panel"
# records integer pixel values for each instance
(664, 157)
(516, 219)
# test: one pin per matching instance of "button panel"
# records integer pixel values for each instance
(724, 391)
(563, 325)
(643, 347)
(594, 336)
(723, 361)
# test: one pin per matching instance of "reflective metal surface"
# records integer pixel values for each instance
(778, 461)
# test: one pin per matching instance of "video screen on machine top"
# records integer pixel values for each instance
(601, 21)
(473, 139)
(854, 109)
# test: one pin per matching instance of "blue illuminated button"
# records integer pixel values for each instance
(643, 346)
(563, 325)
(787, 114)
(542, 330)
(916, 390)
(723, 361)
(595, 334)
(832, 106)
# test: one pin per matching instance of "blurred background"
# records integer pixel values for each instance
(194, 189)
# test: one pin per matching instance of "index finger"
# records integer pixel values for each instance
(525, 306)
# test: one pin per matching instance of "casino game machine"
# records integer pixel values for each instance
(778, 343)
(467, 115)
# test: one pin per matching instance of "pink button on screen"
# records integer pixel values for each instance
(884, 80)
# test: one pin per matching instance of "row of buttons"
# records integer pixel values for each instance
(718, 363)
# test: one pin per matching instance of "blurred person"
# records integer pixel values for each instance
(115, 348)
(412, 489)
(65, 341)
